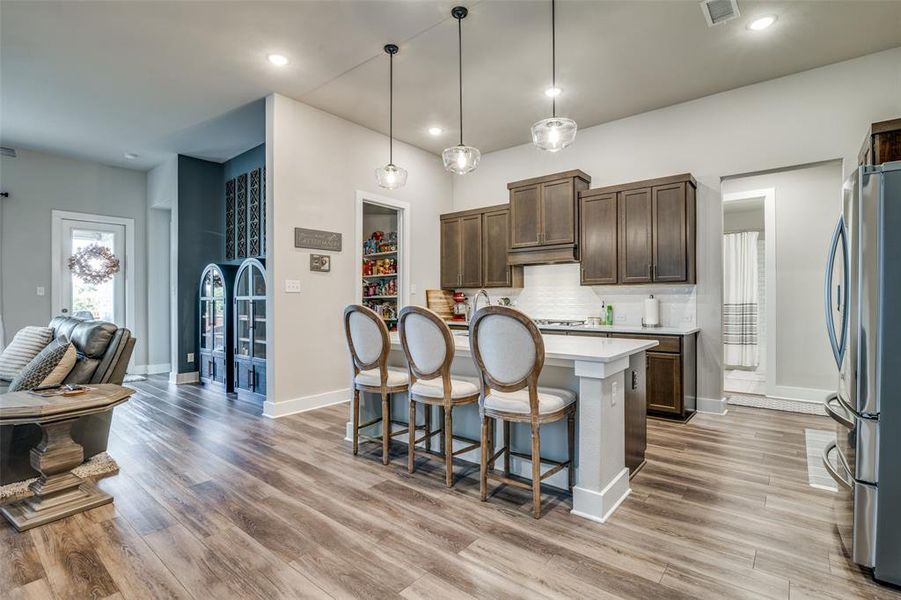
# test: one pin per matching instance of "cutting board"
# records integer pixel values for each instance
(440, 301)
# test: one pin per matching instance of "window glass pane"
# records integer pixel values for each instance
(97, 298)
(259, 283)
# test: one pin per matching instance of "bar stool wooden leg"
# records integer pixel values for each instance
(571, 441)
(492, 445)
(428, 427)
(441, 438)
(507, 441)
(356, 420)
(386, 427)
(449, 445)
(411, 427)
(536, 471)
(483, 470)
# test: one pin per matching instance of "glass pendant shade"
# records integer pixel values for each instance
(461, 159)
(554, 134)
(391, 176)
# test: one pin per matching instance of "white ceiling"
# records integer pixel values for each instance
(98, 79)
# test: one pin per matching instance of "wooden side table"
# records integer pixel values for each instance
(58, 492)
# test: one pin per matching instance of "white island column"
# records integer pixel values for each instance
(603, 479)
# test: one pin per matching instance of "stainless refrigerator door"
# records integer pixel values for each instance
(854, 510)
(869, 267)
(850, 215)
(836, 292)
(857, 440)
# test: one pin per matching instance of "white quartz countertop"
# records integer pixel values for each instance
(567, 348)
(611, 329)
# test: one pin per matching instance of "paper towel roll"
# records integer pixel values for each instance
(651, 311)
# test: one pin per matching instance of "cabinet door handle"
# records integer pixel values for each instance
(654, 272)
(650, 272)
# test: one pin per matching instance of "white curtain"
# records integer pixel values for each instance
(740, 299)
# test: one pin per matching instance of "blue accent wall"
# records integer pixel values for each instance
(201, 234)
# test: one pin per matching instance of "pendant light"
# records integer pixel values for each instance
(555, 133)
(460, 159)
(391, 176)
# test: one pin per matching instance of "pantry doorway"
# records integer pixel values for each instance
(382, 247)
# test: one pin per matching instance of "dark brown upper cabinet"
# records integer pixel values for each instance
(474, 247)
(882, 144)
(635, 236)
(655, 232)
(544, 218)
(598, 238)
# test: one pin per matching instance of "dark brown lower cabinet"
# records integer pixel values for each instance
(635, 412)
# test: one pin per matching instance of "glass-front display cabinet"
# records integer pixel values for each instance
(216, 333)
(250, 330)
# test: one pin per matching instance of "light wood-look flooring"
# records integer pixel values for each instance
(214, 501)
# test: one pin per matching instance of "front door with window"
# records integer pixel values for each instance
(72, 294)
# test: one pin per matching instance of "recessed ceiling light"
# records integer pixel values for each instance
(762, 23)
(131, 155)
(552, 92)
(435, 131)
(279, 60)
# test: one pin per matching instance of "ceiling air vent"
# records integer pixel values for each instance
(719, 11)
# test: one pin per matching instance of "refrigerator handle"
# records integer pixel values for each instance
(837, 340)
(845, 482)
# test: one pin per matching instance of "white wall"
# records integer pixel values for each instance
(40, 183)
(817, 115)
(315, 163)
(162, 199)
(808, 201)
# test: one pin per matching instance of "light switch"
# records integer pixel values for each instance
(40, 290)
(292, 286)
(190, 357)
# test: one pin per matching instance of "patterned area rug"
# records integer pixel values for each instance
(133, 378)
(97, 467)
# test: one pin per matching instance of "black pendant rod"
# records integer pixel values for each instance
(391, 49)
(554, 57)
(460, 59)
(391, 110)
(459, 13)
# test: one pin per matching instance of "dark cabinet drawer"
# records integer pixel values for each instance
(667, 343)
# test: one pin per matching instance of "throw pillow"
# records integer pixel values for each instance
(41, 366)
(27, 343)
(62, 369)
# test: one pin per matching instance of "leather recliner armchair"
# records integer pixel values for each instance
(104, 350)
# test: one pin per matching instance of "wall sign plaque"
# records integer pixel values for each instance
(314, 239)
(321, 263)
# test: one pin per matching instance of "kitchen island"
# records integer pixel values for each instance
(596, 369)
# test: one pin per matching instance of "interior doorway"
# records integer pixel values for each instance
(777, 228)
(111, 299)
(383, 255)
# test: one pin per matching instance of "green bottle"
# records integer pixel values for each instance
(609, 317)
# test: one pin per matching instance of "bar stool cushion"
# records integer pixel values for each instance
(434, 388)
(549, 400)
(373, 377)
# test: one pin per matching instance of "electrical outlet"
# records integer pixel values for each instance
(292, 286)
(40, 290)
(413, 289)
(190, 357)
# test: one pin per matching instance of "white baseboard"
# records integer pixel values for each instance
(799, 394)
(598, 506)
(274, 410)
(785, 404)
(712, 406)
(149, 369)
(183, 378)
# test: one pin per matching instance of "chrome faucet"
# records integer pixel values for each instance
(475, 300)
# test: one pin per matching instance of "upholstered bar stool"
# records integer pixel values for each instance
(429, 346)
(509, 352)
(367, 340)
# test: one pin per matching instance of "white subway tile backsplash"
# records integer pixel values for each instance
(553, 292)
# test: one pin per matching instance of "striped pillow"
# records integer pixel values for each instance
(24, 347)
(49, 367)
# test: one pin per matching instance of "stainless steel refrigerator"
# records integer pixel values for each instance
(863, 319)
